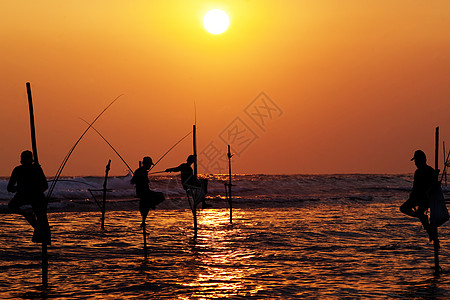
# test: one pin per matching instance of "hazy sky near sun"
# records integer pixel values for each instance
(357, 86)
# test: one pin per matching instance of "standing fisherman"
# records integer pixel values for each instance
(147, 198)
(29, 183)
(425, 181)
(190, 182)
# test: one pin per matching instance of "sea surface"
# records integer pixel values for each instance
(292, 237)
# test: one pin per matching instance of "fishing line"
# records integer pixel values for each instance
(63, 164)
(159, 172)
(71, 180)
(120, 156)
(170, 150)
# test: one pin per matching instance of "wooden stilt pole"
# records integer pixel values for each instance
(194, 204)
(36, 161)
(108, 167)
(194, 212)
(194, 141)
(32, 127)
(144, 232)
(444, 172)
(436, 168)
(230, 201)
(436, 151)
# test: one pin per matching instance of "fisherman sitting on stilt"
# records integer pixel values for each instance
(190, 182)
(147, 198)
(425, 180)
(29, 183)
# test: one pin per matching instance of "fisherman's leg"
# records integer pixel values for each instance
(144, 208)
(200, 197)
(432, 233)
(196, 196)
(42, 229)
(156, 198)
(204, 204)
(15, 207)
(431, 229)
(408, 208)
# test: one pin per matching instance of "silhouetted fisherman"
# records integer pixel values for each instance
(425, 180)
(148, 199)
(190, 182)
(29, 183)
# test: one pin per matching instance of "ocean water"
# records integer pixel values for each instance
(292, 237)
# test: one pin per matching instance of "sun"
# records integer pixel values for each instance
(216, 21)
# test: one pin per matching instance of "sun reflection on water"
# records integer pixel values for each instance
(217, 257)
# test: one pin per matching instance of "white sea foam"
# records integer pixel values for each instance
(246, 187)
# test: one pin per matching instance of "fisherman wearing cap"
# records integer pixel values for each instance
(425, 179)
(147, 198)
(190, 182)
(28, 182)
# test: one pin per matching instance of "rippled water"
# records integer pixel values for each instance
(319, 249)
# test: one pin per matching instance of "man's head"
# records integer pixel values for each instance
(26, 157)
(147, 162)
(190, 159)
(419, 158)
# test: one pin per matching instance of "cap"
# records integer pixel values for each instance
(147, 159)
(419, 154)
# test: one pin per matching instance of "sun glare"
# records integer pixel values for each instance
(216, 21)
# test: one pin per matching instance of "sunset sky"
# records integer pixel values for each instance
(351, 86)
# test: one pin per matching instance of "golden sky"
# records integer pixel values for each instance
(357, 86)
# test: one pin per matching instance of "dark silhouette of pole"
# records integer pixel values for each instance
(108, 167)
(194, 141)
(444, 171)
(194, 212)
(32, 128)
(193, 207)
(144, 233)
(436, 167)
(230, 184)
(36, 161)
(194, 204)
(144, 229)
(436, 151)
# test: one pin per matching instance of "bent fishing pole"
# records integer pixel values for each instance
(63, 164)
(169, 151)
(109, 144)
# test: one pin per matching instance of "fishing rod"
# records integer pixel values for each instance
(63, 164)
(109, 144)
(170, 150)
(71, 180)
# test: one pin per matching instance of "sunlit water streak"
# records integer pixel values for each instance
(317, 251)
(342, 245)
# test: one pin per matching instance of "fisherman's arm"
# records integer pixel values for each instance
(176, 169)
(12, 188)
(135, 176)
